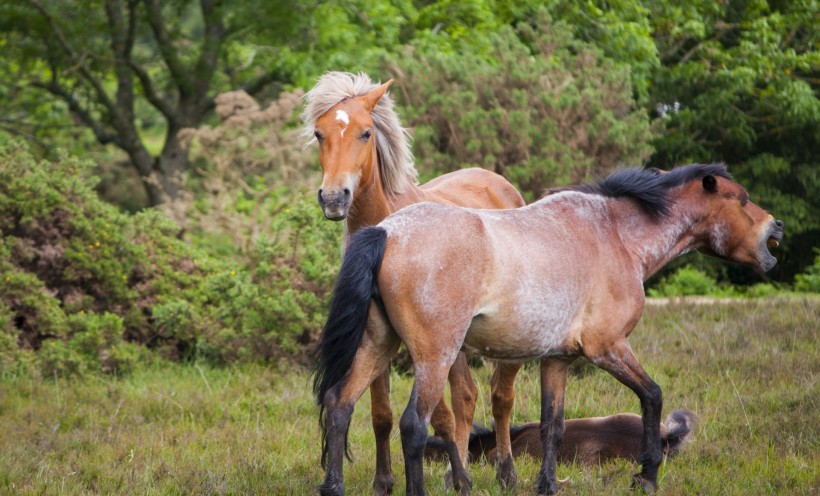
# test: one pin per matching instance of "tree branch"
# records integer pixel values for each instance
(178, 71)
(258, 84)
(83, 68)
(103, 136)
(146, 83)
(211, 45)
(121, 43)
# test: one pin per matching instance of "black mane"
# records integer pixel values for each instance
(649, 187)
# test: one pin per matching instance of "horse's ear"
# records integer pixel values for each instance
(372, 98)
(710, 183)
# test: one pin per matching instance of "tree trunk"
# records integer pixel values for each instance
(170, 166)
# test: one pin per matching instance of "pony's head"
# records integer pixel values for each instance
(359, 136)
(737, 229)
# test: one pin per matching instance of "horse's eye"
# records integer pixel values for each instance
(318, 135)
(366, 135)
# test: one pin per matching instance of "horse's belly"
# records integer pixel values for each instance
(520, 338)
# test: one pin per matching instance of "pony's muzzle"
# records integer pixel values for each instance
(770, 239)
(335, 203)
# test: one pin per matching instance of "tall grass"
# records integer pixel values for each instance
(748, 369)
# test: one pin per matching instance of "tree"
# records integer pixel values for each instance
(117, 65)
(728, 81)
(738, 83)
(131, 70)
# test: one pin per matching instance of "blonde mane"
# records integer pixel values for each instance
(392, 140)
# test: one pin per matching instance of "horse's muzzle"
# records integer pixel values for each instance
(335, 203)
(771, 240)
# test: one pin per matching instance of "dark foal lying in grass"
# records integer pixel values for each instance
(587, 441)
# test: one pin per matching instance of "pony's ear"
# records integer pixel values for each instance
(710, 183)
(372, 98)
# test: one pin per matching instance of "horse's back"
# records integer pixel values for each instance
(474, 188)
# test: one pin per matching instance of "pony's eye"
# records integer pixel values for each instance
(318, 135)
(366, 135)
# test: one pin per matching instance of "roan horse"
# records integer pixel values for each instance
(560, 278)
(369, 174)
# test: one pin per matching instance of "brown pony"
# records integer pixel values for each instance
(368, 174)
(587, 441)
(554, 280)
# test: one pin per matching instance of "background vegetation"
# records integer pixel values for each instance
(157, 205)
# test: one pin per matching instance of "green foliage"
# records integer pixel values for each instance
(542, 108)
(687, 281)
(89, 288)
(809, 282)
(738, 84)
(690, 280)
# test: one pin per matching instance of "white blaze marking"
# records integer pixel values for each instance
(342, 116)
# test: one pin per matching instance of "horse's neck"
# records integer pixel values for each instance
(654, 242)
(372, 204)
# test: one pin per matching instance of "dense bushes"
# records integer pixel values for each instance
(543, 109)
(92, 288)
(810, 281)
(691, 281)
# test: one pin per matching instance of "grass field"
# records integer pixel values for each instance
(748, 369)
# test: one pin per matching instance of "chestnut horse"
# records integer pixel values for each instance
(369, 174)
(560, 278)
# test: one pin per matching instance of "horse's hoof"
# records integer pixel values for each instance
(382, 487)
(506, 475)
(548, 487)
(639, 481)
(464, 486)
(332, 488)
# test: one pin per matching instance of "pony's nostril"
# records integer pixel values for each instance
(779, 223)
(320, 195)
(347, 192)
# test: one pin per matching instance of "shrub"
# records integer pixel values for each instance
(86, 287)
(809, 282)
(543, 108)
(689, 281)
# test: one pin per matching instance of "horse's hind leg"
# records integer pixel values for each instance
(553, 384)
(503, 399)
(431, 374)
(457, 424)
(382, 418)
(378, 346)
(620, 361)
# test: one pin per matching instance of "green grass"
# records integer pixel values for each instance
(748, 369)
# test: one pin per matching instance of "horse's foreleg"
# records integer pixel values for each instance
(372, 359)
(553, 384)
(382, 417)
(427, 392)
(620, 361)
(503, 399)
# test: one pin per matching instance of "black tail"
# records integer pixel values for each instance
(342, 334)
(679, 425)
